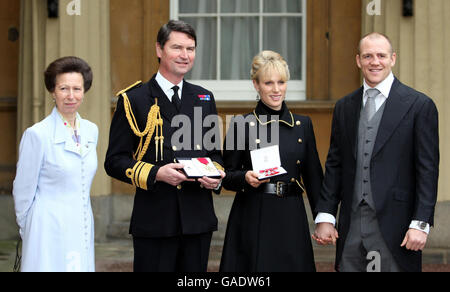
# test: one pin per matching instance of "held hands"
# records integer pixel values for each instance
(325, 234)
(415, 240)
(252, 179)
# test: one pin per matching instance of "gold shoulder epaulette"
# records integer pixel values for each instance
(129, 88)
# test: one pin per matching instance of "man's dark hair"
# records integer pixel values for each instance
(68, 65)
(175, 25)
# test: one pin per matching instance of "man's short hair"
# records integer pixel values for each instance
(373, 35)
(175, 25)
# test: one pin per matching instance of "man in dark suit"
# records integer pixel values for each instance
(173, 217)
(382, 168)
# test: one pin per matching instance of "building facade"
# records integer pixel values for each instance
(117, 38)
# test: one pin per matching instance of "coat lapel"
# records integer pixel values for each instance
(188, 99)
(353, 111)
(62, 135)
(397, 106)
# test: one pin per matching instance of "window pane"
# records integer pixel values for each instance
(290, 6)
(284, 35)
(198, 6)
(205, 67)
(232, 6)
(240, 42)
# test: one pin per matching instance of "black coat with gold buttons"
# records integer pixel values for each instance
(267, 233)
(161, 210)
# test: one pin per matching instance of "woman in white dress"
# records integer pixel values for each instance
(57, 163)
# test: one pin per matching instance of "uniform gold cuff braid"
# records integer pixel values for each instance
(218, 166)
(139, 174)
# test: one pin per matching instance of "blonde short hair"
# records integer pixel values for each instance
(268, 62)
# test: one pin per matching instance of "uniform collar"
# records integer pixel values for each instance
(61, 133)
(284, 115)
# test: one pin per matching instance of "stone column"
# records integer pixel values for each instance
(32, 61)
(86, 36)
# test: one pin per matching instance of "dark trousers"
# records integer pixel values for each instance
(185, 253)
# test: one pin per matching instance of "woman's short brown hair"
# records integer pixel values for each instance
(68, 65)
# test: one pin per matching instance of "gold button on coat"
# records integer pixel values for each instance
(300, 141)
(174, 148)
(179, 187)
(298, 123)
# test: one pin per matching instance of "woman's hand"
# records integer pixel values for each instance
(252, 179)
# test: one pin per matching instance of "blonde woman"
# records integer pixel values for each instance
(268, 227)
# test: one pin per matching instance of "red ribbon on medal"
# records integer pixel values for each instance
(270, 171)
(203, 161)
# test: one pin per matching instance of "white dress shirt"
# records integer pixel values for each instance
(167, 86)
(385, 88)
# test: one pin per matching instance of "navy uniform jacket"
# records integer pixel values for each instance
(161, 210)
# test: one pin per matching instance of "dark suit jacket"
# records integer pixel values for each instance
(404, 167)
(164, 210)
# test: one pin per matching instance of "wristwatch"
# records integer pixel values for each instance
(422, 225)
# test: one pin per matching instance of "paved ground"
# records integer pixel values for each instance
(117, 256)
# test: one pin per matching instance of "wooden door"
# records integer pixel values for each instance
(134, 26)
(9, 66)
(334, 30)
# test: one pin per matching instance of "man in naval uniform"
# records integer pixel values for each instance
(173, 217)
(382, 168)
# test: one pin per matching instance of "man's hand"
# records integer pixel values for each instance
(171, 174)
(325, 234)
(210, 183)
(252, 179)
(415, 240)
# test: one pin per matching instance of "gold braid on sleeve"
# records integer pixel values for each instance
(141, 170)
(218, 166)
